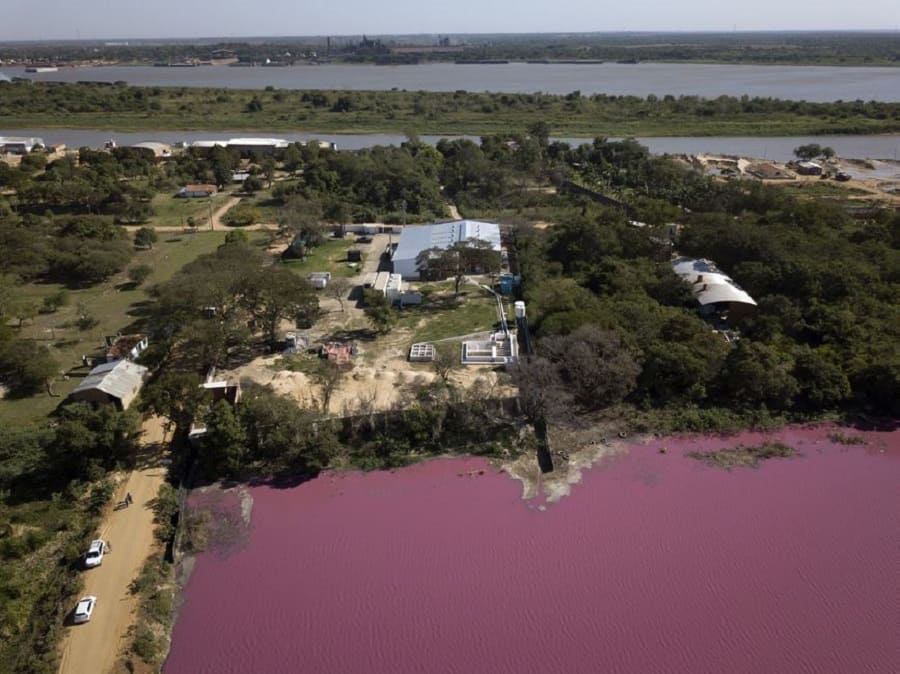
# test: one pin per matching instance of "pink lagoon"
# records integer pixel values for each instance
(655, 563)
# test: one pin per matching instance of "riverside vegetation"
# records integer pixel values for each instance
(125, 108)
(614, 328)
(868, 48)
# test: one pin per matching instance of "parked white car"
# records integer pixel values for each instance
(94, 555)
(84, 609)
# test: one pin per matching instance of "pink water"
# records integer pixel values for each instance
(655, 563)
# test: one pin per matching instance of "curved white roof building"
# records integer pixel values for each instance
(710, 286)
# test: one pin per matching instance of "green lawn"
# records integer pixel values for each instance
(442, 317)
(171, 212)
(110, 303)
(331, 256)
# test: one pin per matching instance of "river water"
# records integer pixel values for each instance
(656, 563)
(778, 148)
(810, 83)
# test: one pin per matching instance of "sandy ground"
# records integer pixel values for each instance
(95, 646)
(381, 376)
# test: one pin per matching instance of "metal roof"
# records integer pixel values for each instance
(27, 140)
(261, 142)
(415, 239)
(120, 379)
(710, 286)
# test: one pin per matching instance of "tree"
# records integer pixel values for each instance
(541, 393)
(594, 364)
(224, 446)
(100, 435)
(446, 359)
(378, 310)
(236, 237)
(813, 150)
(178, 396)
(338, 289)
(275, 293)
(327, 376)
(302, 218)
(139, 273)
(26, 367)
(756, 374)
(280, 432)
(472, 255)
(268, 169)
(253, 184)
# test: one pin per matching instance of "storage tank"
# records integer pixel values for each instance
(519, 307)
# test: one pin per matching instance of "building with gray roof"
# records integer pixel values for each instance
(117, 382)
(418, 238)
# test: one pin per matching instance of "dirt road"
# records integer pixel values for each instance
(95, 646)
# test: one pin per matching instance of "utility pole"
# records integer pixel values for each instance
(209, 203)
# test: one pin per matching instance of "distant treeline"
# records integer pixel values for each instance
(804, 48)
(92, 105)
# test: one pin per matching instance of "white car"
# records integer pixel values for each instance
(84, 609)
(94, 555)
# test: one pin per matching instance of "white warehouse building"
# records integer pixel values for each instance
(417, 238)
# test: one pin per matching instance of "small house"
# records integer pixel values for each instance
(118, 382)
(196, 191)
(809, 168)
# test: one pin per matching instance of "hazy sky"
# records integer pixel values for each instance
(69, 19)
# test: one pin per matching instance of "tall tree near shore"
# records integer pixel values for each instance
(463, 257)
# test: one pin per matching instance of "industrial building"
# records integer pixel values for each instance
(153, 149)
(19, 144)
(245, 146)
(416, 239)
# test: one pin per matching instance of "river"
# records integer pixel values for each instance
(776, 148)
(810, 83)
(655, 563)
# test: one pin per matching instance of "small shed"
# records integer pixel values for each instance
(809, 168)
(196, 191)
(338, 352)
(354, 255)
(319, 279)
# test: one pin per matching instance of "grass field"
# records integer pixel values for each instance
(331, 256)
(442, 317)
(171, 212)
(112, 304)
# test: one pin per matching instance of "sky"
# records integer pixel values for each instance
(111, 19)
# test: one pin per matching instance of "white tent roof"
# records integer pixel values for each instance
(710, 285)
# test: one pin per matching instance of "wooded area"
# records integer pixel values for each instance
(122, 107)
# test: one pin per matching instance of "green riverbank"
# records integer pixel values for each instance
(127, 108)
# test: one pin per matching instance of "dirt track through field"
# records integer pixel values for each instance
(95, 646)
